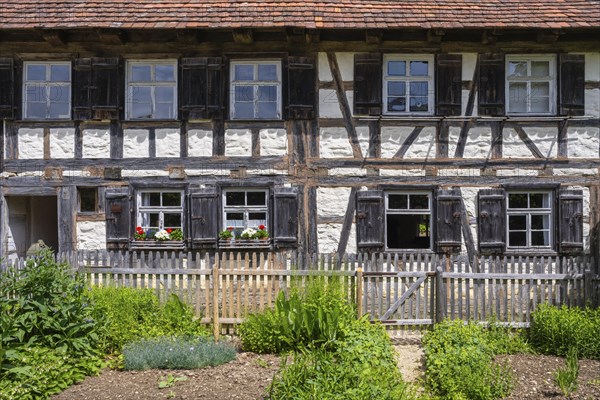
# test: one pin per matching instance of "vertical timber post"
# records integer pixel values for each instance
(359, 292)
(440, 297)
(216, 287)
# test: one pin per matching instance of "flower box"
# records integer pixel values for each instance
(157, 245)
(245, 243)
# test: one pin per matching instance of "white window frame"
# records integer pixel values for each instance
(161, 210)
(408, 79)
(245, 209)
(152, 84)
(409, 211)
(47, 84)
(256, 83)
(528, 212)
(551, 59)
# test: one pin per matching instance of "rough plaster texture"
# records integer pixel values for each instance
(96, 143)
(91, 235)
(393, 137)
(200, 143)
(273, 142)
(238, 142)
(266, 172)
(575, 172)
(137, 173)
(469, 195)
(592, 67)
(324, 70)
(474, 172)
(334, 142)
(31, 143)
(469, 62)
(329, 106)
(62, 143)
(545, 140)
(586, 216)
(332, 202)
(167, 143)
(346, 63)
(516, 172)
(402, 172)
(136, 143)
(348, 172)
(328, 236)
(478, 144)
(207, 172)
(592, 102)
(583, 142)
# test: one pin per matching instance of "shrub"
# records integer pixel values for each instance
(176, 353)
(555, 330)
(459, 363)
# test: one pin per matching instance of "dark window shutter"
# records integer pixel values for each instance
(491, 84)
(570, 225)
(82, 79)
(369, 218)
(572, 84)
(107, 88)
(448, 84)
(201, 88)
(491, 219)
(285, 226)
(7, 98)
(367, 84)
(118, 217)
(448, 213)
(301, 88)
(204, 218)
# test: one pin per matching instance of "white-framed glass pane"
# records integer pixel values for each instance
(419, 96)
(517, 93)
(235, 198)
(267, 72)
(35, 93)
(397, 68)
(163, 111)
(517, 69)
(141, 94)
(518, 200)
(243, 111)
(539, 200)
(60, 94)
(60, 73)
(398, 201)
(172, 220)
(540, 69)
(164, 73)
(267, 93)
(244, 72)
(419, 202)
(419, 68)
(397, 104)
(540, 222)
(266, 110)
(244, 93)
(171, 199)
(141, 110)
(151, 199)
(540, 97)
(150, 220)
(396, 88)
(540, 238)
(58, 110)
(141, 73)
(517, 223)
(36, 72)
(164, 94)
(418, 104)
(258, 198)
(255, 219)
(517, 239)
(36, 110)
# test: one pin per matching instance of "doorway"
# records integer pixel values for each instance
(31, 218)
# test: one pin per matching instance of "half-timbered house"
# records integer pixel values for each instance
(341, 126)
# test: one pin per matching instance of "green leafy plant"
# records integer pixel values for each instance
(566, 377)
(176, 234)
(226, 234)
(169, 381)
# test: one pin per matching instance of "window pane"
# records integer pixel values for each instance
(396, 88)
(419, 202)
(60, 94)
(235, 198)
(540, 68)
(60, 73)
(150, 220)
(517, 200)
(398, 201)
(267, 72)
(172, 220)
(517, 68)
(141, 94)
(235, 220)
(141, 73)
(163, 111)
(396, 104)
(539, 200)
(517, 239)
(150, 199)
(419, 68)
(257, 219)
(164, 73)
(540, 221)
(517, 94)
(267, 110)
(164, 94)
(418, 104)
(418, 96)
(257, 199)
(540, 96)
(59, 110)
(244, 72)
(243, 111)
(171, 199)
(36, 110)
(244, 93)
(267, 93)
(406, 231)
(87, 199)
(36, 72)
(540, 238)
(234, 216)
(141, 110)
(517, 222)
(397, 68)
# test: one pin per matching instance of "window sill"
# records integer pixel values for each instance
(245, 244)
(530, 252)
(157, 245)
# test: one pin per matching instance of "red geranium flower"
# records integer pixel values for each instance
(261, 227)
(230, 228)
(139, 229)
(169, 230)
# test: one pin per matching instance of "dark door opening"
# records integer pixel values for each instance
(31, 218)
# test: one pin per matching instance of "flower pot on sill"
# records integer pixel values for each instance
(157, 245)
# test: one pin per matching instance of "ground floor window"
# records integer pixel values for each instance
(408, 220)
(160, 209)
(245, 208)
(529, 217)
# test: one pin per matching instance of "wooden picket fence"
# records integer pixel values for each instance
(400, 290)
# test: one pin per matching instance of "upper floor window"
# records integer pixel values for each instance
(47, 90)
(531, 84)
(151, 90)
(245, 208)
(529, 219)
(160, 209)
(408, 220)
(255, 90)
(408, 84)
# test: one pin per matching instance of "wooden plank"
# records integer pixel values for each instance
(403, 298)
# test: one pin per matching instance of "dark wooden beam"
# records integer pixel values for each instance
(296, 35)
(67, 212)
(488, 38)
(497, 140)
(374, 36)
(435, 36)
(152, 142)
(548, 36)
(466, 125)
(218, 138)
(188, 37)
(255, 142)
(311, 207)
(528, 142)
(111, 36)
(78, 140)
(243, 36)
(313, 36)
(54, 37)
(408, 142)
(563, 150)
(441, 138)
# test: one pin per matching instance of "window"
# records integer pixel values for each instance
(255, 90)
(245, 208)
(531, 84)
(529, 219)
(408, 84)
(408, 220)
(160, 209)
(47, 90)
(151, 90)
(88, 199)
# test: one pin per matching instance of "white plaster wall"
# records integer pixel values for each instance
(324, 70)
(346, 64)
(238, 142)
(136, 143)
(348, 172)
(516, 172)
(62, 143)
(143, 173)
(469, 195)
(200, 143)
(31, 143)
(474, 172)
(402, 172)
(329, 106)
(478, 144)
(575, 172)
(592, 74)
(167, 143)
(207, 172)
(393, 137)
(469, 62)
(334, 142)
(545, 140)
(592, 66)
(329, 237)
(583, 142)
(273, 142)
(332, 202)
(592, 102)
(96, 143)
(91, 235)
(267, 172)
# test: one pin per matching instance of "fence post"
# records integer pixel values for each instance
(359, 292)
(440, 296)
(216, 287)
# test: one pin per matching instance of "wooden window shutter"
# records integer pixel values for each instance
(570, 220)
(491, 85)
(448, 226)
(448, 84)
(285, 226)
(491, 220)
(7, 98)
(204, 218)
(215, 87)
(118, 217)
(369, 219)
(301, 88)
(367, 84)
(572, 84)
(107, 88)
(200, 95)
(82, 79)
